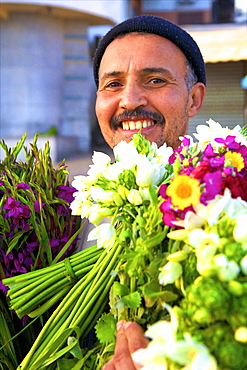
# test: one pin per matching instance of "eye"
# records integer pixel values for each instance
(113, 84)
(156, 80)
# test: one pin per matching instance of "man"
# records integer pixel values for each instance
(151, 76)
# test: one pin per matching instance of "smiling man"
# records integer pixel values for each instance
(151, 77)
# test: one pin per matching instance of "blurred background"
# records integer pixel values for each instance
(46, 56)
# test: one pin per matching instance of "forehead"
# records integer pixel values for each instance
(142, 50)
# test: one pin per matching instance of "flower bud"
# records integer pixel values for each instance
(177, 256)
(123, 191)
(134, 197)
(118, 200)
(243, 265)
(235, 288)
(181, 234)
(241, 334)
(202, 316)
(170, 272)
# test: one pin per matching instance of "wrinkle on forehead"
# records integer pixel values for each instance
(121, 55)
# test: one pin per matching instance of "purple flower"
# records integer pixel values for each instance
(31, 246)
(4, 288)
(18, 267)
(229, 142)
(22, 185)
(209, 152)
(36, 205)
(186, 141)
(217, 161)
(66, 193)
(213, 186)
(14, 207)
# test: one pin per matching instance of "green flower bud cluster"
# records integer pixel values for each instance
(230, 354)
(142, 145)
(128, 179)
(207, 300)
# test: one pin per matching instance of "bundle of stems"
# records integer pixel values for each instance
(77, 313)
(35, 292)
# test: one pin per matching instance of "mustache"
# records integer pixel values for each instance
(136, 113)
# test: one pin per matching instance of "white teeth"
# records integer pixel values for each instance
(132, 125)
(136, 125)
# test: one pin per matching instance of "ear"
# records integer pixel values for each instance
(196, 98)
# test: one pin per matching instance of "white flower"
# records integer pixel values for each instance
(193, 354)
(170, 272)
(199, 239)
(83, 182)
(243, 265)
(105, 235)
(151, 358)
(100, 195)
(227, 270)
(240, 230)
(134, 197)
(93, 215)
(222, 203)
(76, 208)
(163, 335)
(163, 153)
(149, 174)
(205, 245)
(207, 134)
(100, 161)
(191, 221)
(126, 153)
(113, 171)
(85, 207)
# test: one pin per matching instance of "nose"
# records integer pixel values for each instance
(132, 96)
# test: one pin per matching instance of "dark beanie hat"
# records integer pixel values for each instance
(158, 26)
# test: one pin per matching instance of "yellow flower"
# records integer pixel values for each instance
(234, 159)
(184, 191)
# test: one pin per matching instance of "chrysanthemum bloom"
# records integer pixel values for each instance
(184, 191)
(235, 159)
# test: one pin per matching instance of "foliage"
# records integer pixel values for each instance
(37, 228)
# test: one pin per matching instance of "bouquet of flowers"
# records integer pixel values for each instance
(37, 229)
(172, 257)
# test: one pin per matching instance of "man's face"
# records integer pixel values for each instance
(142, 86)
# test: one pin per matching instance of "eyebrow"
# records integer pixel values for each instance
(144, 71)
(160, 70)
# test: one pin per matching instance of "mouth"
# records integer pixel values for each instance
(137, 125)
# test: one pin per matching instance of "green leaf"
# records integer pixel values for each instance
(15, 240)
(132, 300)
(120, 289)
(106, 329)
(76, 350)
(65, 364)
(152, 293)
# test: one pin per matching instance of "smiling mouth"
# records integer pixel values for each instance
(137, 125)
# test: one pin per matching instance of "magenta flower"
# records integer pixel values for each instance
(65, 193)
(36, 205)
(229, 142)
(213, 186)
(22, 185)
(14, 207)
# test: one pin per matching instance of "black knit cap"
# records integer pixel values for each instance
(158, 26)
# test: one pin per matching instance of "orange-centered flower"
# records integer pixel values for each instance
(235, 159)
(184, 191)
